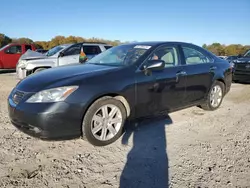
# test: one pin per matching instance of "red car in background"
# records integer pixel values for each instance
(10, 54)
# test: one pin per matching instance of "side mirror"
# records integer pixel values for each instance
(61, 54)
(154, 65)
(239, 56)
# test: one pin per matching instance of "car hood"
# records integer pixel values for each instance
(59, 76)
(29, 54)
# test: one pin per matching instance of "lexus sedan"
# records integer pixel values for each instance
(130, 81)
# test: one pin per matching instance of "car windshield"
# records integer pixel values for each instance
(247, 54)
(120, 55)
(54, 50)
(4, 47)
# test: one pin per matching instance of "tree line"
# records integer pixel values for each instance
(226, 50)
(216, 48)
(57, 40)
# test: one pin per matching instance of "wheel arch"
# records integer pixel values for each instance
(117, 96)
(220, 79)
(41, 67)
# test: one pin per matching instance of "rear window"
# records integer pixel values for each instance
(107, 47)
(28, 47)
(91, 50)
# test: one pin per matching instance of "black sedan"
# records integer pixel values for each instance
(241, 68)
(130, 81)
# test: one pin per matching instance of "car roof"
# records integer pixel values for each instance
(153, 43)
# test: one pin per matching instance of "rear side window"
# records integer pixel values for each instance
(73, 50)
(193, 56)
(27, 47)
(17, 49)
(91, 50)
(107, 47)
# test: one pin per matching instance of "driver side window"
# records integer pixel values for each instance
(167, 54)
(17, 49)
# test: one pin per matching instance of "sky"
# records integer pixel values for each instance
(195, 21)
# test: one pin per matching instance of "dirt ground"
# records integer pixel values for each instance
(193, 148)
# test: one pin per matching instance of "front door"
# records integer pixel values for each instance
(70, 55)
(161, 90)
(11, 56)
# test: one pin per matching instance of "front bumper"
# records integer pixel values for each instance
(243, 76)
(50, 121)
(241, 72)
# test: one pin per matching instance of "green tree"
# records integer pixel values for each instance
(204, 46)
(22, 40)
(4, 40)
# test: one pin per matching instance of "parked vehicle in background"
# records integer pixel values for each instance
(222, 57)
(125, 82)
(42, 51)
(231, 58)
(241, 68)
(10, 54)
(66, 54)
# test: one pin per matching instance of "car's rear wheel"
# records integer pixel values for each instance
(103, 122)
(215, 97)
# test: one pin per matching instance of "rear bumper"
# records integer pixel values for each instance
(52, 121)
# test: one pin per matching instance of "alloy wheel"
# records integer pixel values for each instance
(106, 122)
(216, 96)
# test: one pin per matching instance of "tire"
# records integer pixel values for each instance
(208, 103)
(89, 123)
(39, 69)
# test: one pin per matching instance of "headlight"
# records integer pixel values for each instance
(52, 95)
(232, 64)
(21, 63)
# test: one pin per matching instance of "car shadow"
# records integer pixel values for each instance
(243, 82)
(147, 161)
(6, 71)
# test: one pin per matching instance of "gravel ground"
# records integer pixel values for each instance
(191, 148)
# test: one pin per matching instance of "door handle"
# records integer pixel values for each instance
(181, 73)
(178, 74)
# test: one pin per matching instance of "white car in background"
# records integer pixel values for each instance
(66, 54)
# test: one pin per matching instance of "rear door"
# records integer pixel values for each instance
(70, 55)
(200, 70)
(11, 56)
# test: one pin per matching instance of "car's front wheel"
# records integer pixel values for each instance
(215, 97)
(103, 122)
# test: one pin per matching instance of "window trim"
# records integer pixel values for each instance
(197, 49)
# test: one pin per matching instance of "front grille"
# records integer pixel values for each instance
(243, 66)
(17, 96)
